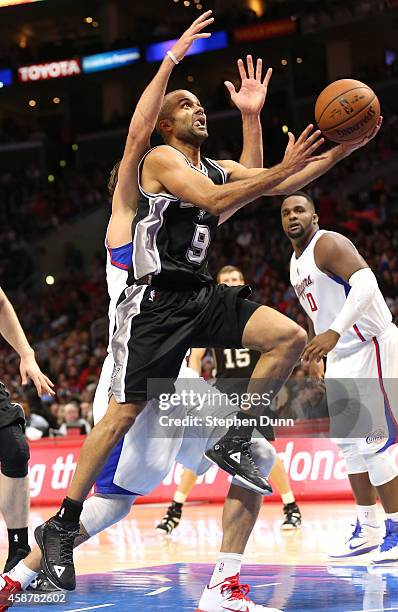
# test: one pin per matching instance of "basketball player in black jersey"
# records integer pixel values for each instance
(172, 302)
(233, 368)
(14, 450)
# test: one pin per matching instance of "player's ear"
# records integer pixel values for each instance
(165, 126)
(315, 219)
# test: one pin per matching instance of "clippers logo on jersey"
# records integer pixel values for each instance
(302, 286)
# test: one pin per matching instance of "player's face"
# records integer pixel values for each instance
(298, 217)
(189, 119)
(232, 279)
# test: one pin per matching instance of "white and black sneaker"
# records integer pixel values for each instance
(233, 455)
(56, 540)
(171, 519)
(42, 584)
(292, 517)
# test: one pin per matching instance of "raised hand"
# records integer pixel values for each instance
(299, 153)
(253, 90)
(30, 369)
(194, 32)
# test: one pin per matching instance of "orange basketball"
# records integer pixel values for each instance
(347, 111)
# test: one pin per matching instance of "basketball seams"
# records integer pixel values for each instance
(343, 94)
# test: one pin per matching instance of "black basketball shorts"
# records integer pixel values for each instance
(155, 327)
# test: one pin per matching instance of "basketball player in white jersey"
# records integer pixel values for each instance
(352, 325)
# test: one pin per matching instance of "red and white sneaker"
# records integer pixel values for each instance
(7, 588)
(229, 595)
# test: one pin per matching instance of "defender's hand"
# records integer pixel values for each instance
(253, 90)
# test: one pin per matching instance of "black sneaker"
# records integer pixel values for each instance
(292, 517)
(233, 455)
(19, 555)
(171, 519)
(41, 584)
(56, 545)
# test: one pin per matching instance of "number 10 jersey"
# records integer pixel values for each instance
(172, 238)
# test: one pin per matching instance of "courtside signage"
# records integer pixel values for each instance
(49, 70)
(110, 60)
(218, 40)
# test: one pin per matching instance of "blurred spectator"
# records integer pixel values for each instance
(73, 420)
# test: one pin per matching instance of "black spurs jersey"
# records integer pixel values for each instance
(172, 238)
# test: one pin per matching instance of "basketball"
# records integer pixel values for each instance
(347, 111)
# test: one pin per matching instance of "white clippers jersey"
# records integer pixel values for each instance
(118, 261)
(323, 297)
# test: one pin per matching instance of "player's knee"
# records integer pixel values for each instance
(14, 453)
(102, 511)
(381, 468)
(292, 343)
(299, 339)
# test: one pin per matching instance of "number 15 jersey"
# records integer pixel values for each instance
(172, 238)
(323, 296)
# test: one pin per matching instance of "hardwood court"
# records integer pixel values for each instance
(133, 567)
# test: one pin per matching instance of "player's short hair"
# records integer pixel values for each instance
(227, 270)
(113, 178)
(302, 194)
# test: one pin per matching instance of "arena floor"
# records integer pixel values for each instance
(131, 567)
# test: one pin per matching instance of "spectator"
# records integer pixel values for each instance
(73, 420)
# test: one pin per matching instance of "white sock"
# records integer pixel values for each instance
(22, 574)
(367, 515)
(228, 564)
(392, 516)
(179, 498)
(287, 498)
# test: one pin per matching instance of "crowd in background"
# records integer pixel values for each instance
(66, 322)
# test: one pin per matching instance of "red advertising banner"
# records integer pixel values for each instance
(268, 29)
(315, 465)
(50, 70)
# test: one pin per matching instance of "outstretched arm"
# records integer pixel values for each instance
(165, 170)
(250, 101)
(11, 330)
(146, 113)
